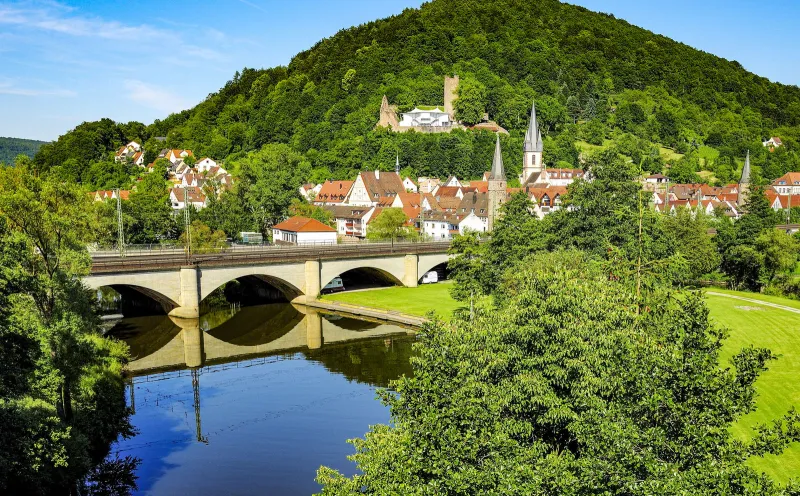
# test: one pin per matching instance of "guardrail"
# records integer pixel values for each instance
(274, 254)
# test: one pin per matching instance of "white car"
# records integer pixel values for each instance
(431, 277)
(334, 286)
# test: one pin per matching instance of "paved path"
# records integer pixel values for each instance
(753, 300)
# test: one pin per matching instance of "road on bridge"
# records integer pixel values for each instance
(109, 262)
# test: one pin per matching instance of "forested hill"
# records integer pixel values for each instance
(597, 81)
(11, 147)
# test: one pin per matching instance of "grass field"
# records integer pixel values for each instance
(748, 323)
(414, 301)
(779, 387)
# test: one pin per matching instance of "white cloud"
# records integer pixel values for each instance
(155, 97)
(257, 7)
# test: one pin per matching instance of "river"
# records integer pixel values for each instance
(254, 400)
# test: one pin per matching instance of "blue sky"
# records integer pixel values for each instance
(65, 62)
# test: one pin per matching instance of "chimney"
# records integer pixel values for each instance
(377, 174)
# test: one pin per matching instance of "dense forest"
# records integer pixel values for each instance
(598, 82)
(11, 147)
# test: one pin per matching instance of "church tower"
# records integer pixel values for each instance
(532, 149)
(497, 185)
(744, 181)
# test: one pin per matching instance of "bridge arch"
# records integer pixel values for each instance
(390, 269)
(161, 287)
(288, 279)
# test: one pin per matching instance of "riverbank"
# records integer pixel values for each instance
(417, 301)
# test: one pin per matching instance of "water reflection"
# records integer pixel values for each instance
(254, 401)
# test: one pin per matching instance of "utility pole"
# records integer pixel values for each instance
(187, 229)
(120, 227)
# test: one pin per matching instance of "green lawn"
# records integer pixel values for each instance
(414, 301)
(779, 387)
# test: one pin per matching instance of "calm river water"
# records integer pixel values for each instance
(254, 401)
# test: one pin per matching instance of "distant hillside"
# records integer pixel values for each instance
(11, 147)
(596, 79)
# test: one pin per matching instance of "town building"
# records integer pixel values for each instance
(787, 184)
(303, 231)
(772, 143)
(532, 150)
(192, 196)
(333, 192)
(425, 116)
(409, 185)
(497, 186)
(375, 188)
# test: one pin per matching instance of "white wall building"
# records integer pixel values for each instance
(426, 117)
(303, 231)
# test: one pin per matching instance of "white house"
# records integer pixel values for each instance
(787, 184)
(424, 116)
(375, 188)
(175, 155)
(179, 197)
(409, 185)
(303, 231)
(452, 181)
(473, 222)
(128, 152)
(439, 226)
(204, 165)
(428, 184)
(772, 143)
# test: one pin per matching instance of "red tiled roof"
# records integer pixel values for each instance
(303, 224)
(333, 191)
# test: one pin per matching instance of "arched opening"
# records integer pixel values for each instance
(248, 291)
(256, 325)
(132, 301)
(360, 278)
(441, 271)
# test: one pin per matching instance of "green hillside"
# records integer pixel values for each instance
(11, 147)
(595, 79)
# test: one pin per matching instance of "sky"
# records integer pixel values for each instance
(65, 62)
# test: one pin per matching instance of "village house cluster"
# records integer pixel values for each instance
(440, 209)
(193, 181)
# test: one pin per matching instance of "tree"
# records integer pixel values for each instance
(780, 253)
(203, 239)
(471, 102)
(391, 224)
(468, 269)
(689, 231)
(532, 397)
(61, 418)
(302, 208)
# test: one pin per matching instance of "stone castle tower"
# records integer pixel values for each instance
(532, 149)
(388, 117)
(744, 181)
(450, 95)
(497, 185)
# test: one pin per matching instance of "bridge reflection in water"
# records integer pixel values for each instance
(162, 344)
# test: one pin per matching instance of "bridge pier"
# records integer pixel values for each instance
(192, 337)
(190, 294)
(314, 339)
(313, 284)
(411, 277)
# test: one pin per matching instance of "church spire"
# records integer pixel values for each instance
(533, 136)
(497, 163)
(745, 179)
(397, 163)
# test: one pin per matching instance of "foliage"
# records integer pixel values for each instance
(302, 208)
(689, 231)
(471, 102)
(467, 268)
(61, 391)
(203, 239)
(391, 223)
(10, 148)
(534, 398)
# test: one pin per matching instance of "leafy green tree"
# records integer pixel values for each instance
(302, 208)
(471, 102)
(391, 224)
(203, 239)
(779, 250)
(689, 231)
(532, 397)
(468, 269)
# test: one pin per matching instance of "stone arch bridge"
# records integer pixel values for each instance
(179, 285)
